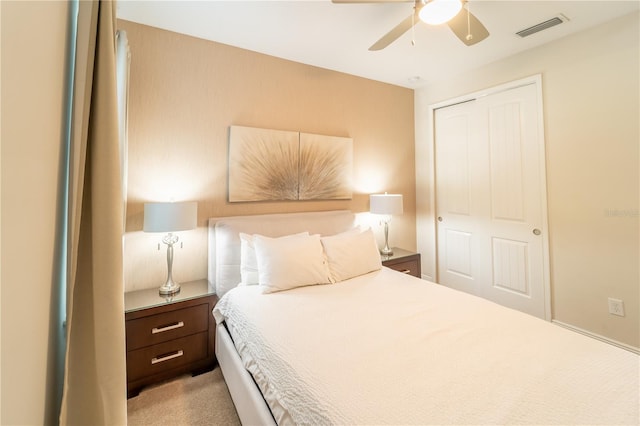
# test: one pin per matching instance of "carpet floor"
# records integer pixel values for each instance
(186, 400)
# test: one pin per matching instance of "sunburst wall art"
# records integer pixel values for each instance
(268, 165)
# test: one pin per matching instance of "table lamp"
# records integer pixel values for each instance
(386, 205)
(170, 218)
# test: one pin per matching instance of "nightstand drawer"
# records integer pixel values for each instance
(403, 261)
(410, 268)
(164, 356)
(167, 326)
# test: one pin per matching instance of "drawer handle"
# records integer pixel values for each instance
(406, 271)
(167, 357)
(156, 330)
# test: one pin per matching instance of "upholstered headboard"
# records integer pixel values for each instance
(224, 239)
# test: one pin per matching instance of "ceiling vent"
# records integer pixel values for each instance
(542, 26)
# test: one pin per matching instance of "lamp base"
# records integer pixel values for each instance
(386, 251)
(169, 288)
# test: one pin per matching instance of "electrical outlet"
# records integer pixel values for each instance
(616, 307)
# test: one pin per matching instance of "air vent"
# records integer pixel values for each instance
(542, 26)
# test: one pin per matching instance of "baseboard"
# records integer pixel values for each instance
(598, 337)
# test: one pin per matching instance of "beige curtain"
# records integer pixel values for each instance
(95, 372)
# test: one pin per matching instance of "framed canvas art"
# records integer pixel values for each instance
(268, 165)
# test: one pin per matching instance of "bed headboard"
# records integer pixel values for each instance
(224, 239)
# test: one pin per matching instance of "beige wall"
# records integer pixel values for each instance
(591, 115)
(186, 92)
(33, 72)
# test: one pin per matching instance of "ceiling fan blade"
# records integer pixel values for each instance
(371, 1)
(460, 27)
(396, 32)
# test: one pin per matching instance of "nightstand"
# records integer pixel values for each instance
(407, 262)
(169, 336)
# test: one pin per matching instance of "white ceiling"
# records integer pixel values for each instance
(337, 36)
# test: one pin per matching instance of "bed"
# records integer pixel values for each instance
(375, 346)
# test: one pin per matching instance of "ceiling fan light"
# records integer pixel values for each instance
(436, 12)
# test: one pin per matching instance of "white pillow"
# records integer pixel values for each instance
(248, 262)
(351, 254)
(286, 263)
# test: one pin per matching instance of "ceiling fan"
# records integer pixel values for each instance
(434, 12)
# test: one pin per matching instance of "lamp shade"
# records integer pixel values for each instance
(436, 12)
(170, 217)
(389, 204)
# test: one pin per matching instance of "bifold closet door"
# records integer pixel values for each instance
(490, 200)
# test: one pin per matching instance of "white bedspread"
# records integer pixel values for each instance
(386, 348)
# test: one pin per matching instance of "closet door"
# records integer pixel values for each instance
(490, 199)
(459, 198)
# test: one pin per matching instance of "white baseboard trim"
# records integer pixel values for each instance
(598, 337)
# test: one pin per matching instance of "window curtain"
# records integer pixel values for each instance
(123, 63)
(94, 390)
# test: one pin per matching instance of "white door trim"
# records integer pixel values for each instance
(537, 81)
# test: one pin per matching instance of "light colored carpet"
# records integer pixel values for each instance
(186, 400)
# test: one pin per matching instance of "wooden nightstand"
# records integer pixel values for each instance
(404, 261)
(169, 336)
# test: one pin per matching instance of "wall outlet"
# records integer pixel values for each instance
(616, 307)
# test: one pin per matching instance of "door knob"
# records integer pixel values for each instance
(439, 218)
(536, 231)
